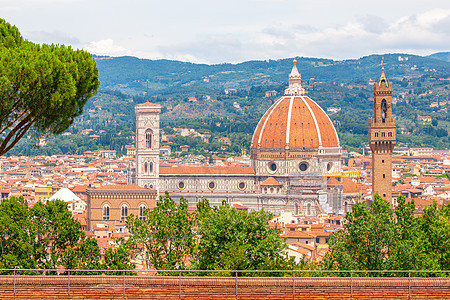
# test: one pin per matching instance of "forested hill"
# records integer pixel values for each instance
(445, 56)
(130, 74)
(193, 96)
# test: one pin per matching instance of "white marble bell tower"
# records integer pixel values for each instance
(147, 144)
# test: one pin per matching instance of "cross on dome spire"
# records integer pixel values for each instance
(295, 83)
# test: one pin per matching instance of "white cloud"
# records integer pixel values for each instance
(106, 47)
(420, 33)
(235, 30)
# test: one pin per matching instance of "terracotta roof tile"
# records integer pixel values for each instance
(271, 181)
(146, 104)
(349, 186)
(120, 187)
(333, 181)
(205, 170)
(299, 234)
(273, 127)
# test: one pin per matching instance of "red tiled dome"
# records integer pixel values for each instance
(296, 121)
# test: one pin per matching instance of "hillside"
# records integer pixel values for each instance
(445, 56)
(193, 96)
(129, 74)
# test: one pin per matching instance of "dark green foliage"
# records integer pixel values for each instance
(47, 237)
(17, 244)
(368, 240)
(43, 87)
(166, 234)
(44, 236)
(55, 226)
(234, 239)
(84, 256)
(380, 238)
(330, 83)
(118, 259)
(165, 75)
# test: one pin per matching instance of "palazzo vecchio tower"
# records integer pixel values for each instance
(382, 138)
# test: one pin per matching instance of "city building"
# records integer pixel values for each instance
(294, 143)
(43, 192)
(110, 205)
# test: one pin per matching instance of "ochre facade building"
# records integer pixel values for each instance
(110, 205)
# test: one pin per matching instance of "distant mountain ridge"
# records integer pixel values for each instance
(130, 74)
(445, 56)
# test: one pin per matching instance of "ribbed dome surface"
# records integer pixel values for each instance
(296, 121)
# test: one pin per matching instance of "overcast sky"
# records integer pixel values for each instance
(211, 31)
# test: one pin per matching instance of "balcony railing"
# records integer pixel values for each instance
(16, 277)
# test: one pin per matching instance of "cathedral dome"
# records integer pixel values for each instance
(295, 121)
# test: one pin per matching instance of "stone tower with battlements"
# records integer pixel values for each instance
(382, 138)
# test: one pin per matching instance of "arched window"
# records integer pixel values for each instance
(142, 209)
(383, 134)
(383, 110)
(151, 167)
(389, 134)
(148, 139)
(145, 168)
(124, 212)
(105, 212)
(376, 134)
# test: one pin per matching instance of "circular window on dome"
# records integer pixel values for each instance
(272, 167)
(241, 186)
(212, 185)
(181, 185)
(303, 166)
(329, 166)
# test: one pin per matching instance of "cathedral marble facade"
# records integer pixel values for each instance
(294, 143)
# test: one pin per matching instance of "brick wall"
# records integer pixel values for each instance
(150, 287)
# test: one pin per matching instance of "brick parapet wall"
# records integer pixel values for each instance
(151, 287)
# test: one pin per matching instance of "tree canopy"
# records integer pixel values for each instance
(43, 236)
(238, 240)
(377, 237)
(46, 236)
(219, 238)
(42, 87)
(165, 235)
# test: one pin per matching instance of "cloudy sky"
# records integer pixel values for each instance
(211, 31)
